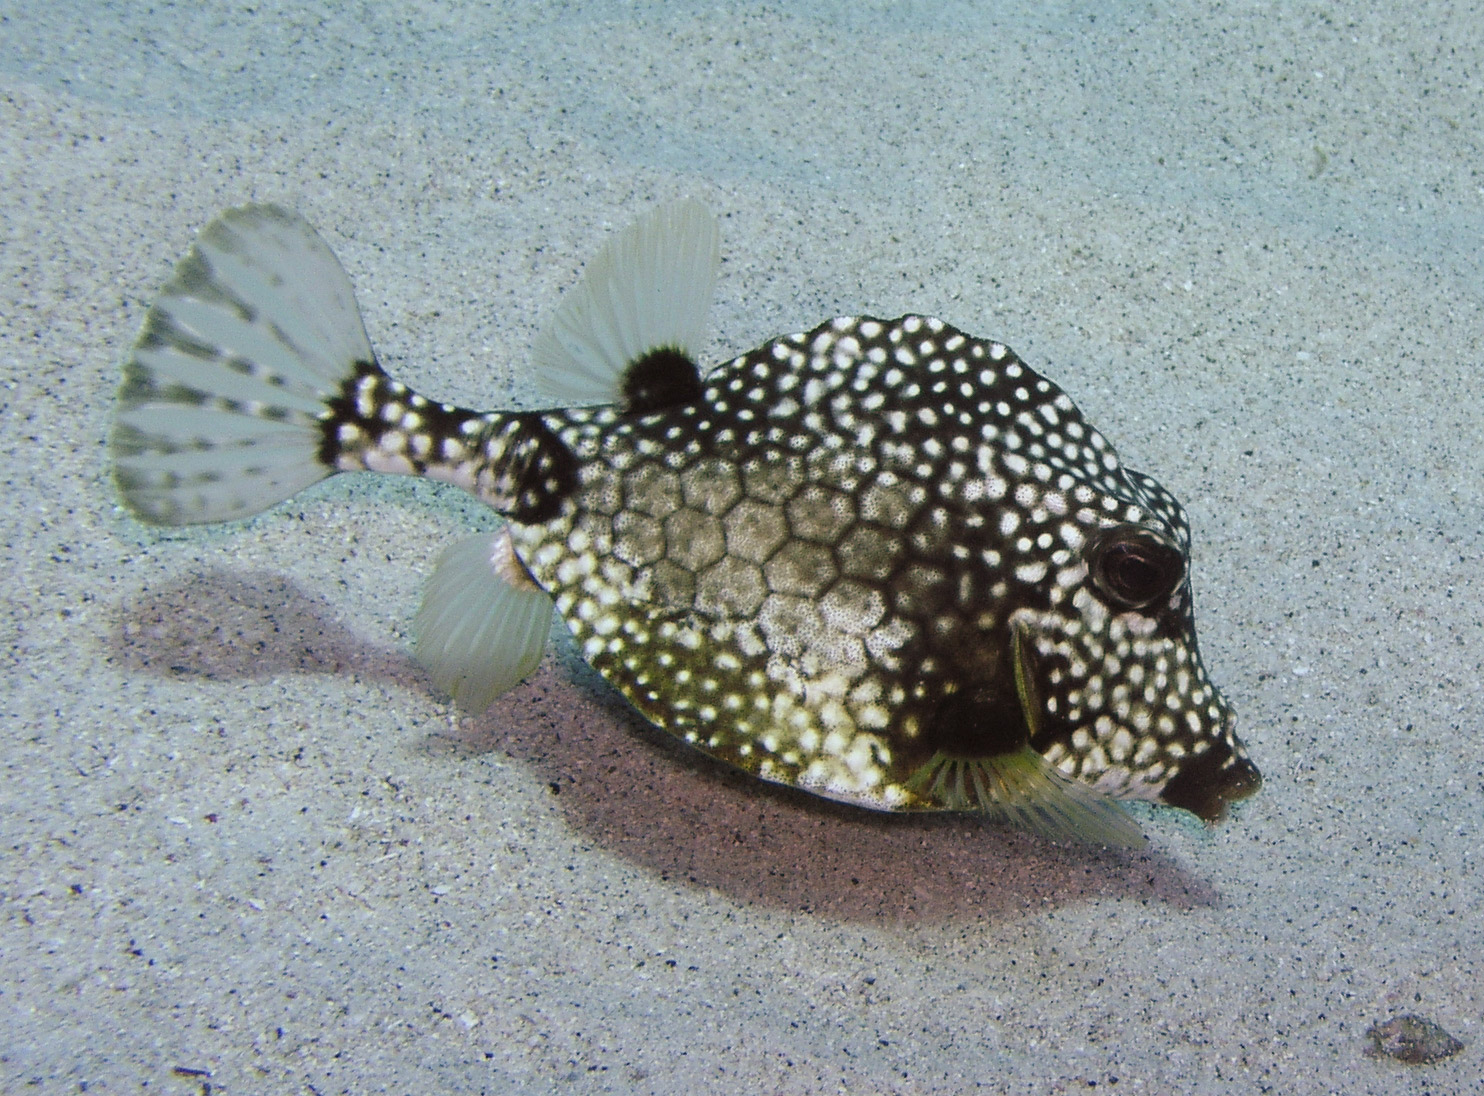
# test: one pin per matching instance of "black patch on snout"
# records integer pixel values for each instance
(1206, 785)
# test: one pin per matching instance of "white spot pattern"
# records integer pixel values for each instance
(803, 564)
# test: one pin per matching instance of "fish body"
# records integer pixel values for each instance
(883, 560)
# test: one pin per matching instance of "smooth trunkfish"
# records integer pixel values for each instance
(882, 561)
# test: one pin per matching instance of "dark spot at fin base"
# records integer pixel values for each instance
(661, 378)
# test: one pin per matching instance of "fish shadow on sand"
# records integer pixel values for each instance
(691, 820)
(256, 625)
(628, 787)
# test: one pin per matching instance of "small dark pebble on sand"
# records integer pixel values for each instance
(1411, 1039)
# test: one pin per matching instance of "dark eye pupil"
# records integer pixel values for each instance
(1132, 573)
(1134, 567)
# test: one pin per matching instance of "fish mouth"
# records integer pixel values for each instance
(1208, 784)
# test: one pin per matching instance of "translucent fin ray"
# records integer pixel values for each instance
(483, 625)
(218, 412)
(650, 287)
(1023, 789)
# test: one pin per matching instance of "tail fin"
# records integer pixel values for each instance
(220, 408)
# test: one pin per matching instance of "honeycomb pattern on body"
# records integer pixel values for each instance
(794, 571)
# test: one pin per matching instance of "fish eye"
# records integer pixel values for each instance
(1133, 567)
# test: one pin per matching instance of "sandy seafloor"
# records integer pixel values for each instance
(248, 848)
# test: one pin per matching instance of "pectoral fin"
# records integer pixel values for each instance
(1046, 801)
(984, 762)
(1025, 790)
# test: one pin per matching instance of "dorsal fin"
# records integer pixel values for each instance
(649, 289)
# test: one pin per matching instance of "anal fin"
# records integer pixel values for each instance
(483, 623)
